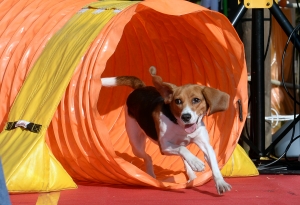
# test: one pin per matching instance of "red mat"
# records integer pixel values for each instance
(263, 189)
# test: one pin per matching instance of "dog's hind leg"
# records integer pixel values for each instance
(137, 140)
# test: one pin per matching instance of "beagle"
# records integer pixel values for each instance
(171, 116)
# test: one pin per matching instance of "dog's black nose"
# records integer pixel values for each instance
(186, 117)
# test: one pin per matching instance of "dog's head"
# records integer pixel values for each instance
(189, 103)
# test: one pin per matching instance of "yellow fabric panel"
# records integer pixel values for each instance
(239, 165)
(28, 164)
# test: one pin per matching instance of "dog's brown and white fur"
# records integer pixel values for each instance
(172, 117)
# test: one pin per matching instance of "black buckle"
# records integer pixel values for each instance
(10, 125)
(36, 128)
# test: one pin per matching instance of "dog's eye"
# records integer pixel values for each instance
(178, 101)
(196, 100)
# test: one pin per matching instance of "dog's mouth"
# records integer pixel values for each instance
(190, 128)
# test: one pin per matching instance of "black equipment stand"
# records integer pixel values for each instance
(257, 89)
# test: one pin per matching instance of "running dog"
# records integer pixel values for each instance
(172, 117)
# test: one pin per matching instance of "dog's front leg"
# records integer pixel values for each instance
(190, 173)
(210, 157)
(194, 162)
(167, 142)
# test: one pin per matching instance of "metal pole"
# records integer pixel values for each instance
(257, 86)
(241, 10)
(225, 8)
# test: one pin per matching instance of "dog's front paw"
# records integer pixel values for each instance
(222, 186)
(196, 164)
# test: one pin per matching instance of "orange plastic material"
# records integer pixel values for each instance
(280, 100)
(186, 42)
(25, 28)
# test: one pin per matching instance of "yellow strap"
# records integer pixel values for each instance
(111, 4)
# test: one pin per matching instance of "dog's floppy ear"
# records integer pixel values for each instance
(165, 89)
(216, 99)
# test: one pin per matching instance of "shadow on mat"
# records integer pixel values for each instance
(161, 173)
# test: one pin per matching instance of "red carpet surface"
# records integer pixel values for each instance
(263, 189)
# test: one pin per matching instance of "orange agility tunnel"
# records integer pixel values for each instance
(53, 54)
